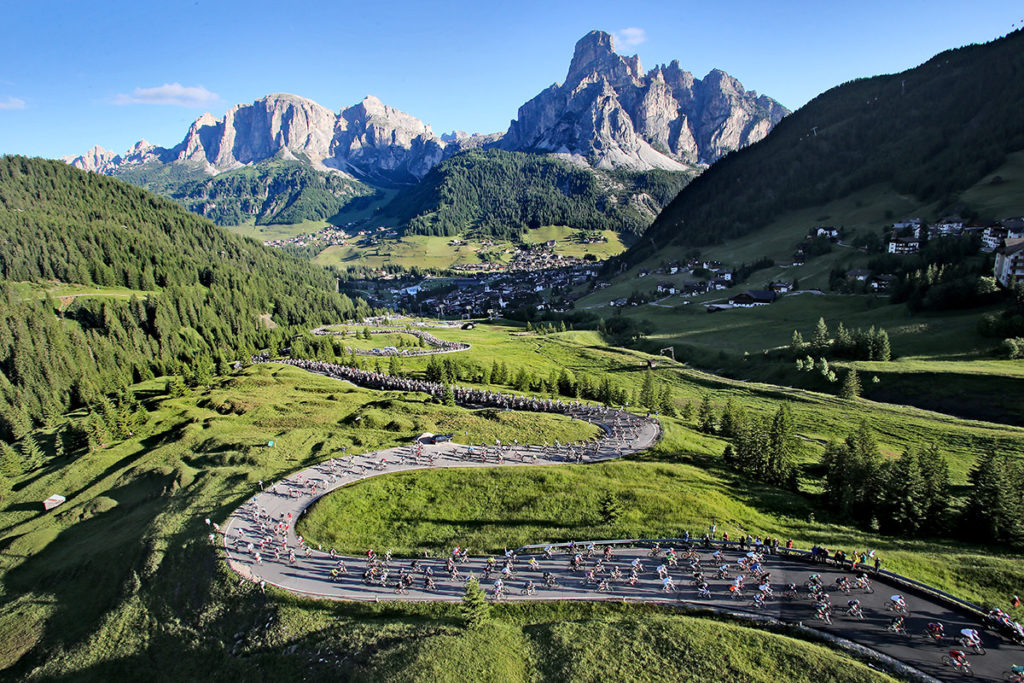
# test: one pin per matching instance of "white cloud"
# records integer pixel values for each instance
(630, 37)
(12, 103)
(170, 93)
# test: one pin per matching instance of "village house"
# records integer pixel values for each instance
(904, 245)
(667, 288)
(719, 283)
(882, 283)
(825, 231)
(1010, 261)
(781, 287)
(753, 297)
(912, 224)
(858, 274)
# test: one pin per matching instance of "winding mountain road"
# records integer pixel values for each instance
(269, 519)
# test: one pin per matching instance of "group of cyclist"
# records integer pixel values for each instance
(437, 345)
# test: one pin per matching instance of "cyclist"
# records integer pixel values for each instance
(959, 659)
(897, 624)
(970, 638)
(897, 603)
(935, 630)
(853, 608)
(703, 591)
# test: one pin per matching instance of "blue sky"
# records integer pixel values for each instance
(75, 74)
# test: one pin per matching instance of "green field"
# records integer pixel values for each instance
(276, 232)
(66, 292)
(435, 252)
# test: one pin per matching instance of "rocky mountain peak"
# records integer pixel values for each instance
(591, 48)
(608, 113)
(595, 58)
(96, 159)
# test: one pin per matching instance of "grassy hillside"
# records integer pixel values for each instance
(434, 252)
(121, 580)
(932, 132)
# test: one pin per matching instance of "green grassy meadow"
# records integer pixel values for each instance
(425, 251)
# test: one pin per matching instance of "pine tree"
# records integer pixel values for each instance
(904, 495)
(706, 421)
(10, 461)
(851, 385)
(647, 397)
(665, 403)
(796, 346)
(475, 609)
(448, 396)
(394, 366)
(780, 448)
(820, 339)
(935, 471)
(97, 431)
(176, 386)
(687, 412)
(883, 350)
(610, 508)
(730, 423)
(31, 453)
(993, 511)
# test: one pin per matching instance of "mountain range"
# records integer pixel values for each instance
(607, 114)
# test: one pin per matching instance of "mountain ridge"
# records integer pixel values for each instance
(637, 121)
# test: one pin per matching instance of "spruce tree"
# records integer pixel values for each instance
(10, 461)
(666, 406)
(610, 508)
(796, 346)
(904, 495)
(448, 396)
(394, 366)
(647, 397)
(780, 448)
(31, 453)
(706, 421)
(935, 471)
(729, 424)
(851, 385)
(993, 512)
(883, 350)
(820, 339)
(475, 609)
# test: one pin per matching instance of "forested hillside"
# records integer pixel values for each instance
(931, 132)
(501, 194)
(273, 191)
(199, 294)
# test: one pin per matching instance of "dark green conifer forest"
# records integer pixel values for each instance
(198, 295)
